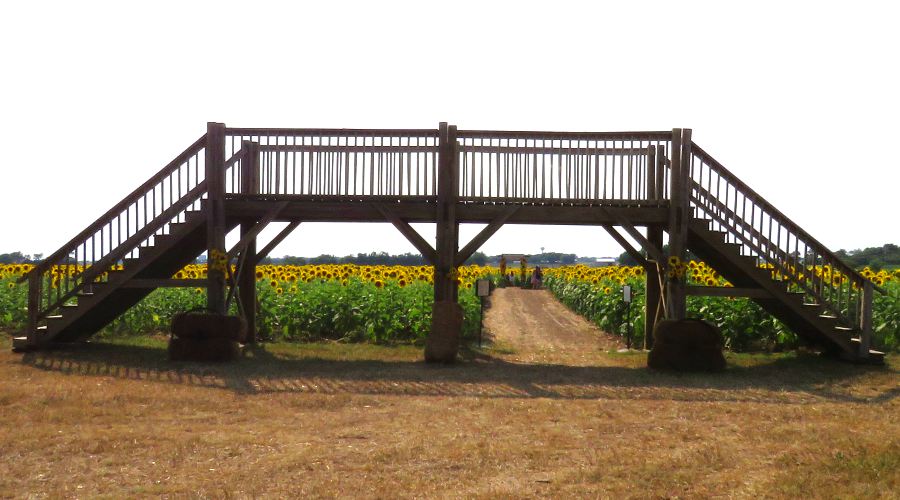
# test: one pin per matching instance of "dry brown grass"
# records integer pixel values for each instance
(117, 419)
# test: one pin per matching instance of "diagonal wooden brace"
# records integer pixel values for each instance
(276, 241)
(626, 245)
(621, 220)
(483, 236)
(254, 232)
(414, 237)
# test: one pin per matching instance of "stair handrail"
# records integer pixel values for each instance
(110, 214)
(773, 212)
(120, 231)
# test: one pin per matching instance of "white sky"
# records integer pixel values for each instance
(800, 100)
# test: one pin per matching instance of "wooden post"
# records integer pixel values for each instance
(865, 320)
(247, 271)
(442, 343)
(215, 216)
(34, 305)
(679, 210)
(651, 174)
(652, 307)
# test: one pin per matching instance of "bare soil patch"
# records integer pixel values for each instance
(546, 412)
(540, 328)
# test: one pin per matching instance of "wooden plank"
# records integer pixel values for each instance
(536, 150)
(164, 283)
(276, 241)
(724, 291)
(483, 235)
(475, 213)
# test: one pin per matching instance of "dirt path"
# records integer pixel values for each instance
(538, 328)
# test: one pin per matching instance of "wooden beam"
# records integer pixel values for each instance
(726, 291)
(253, 232)
(406, 230)
(865, 319)
(275, 241)
(626, 245)
(483, 236)
(165, 283)
(215, 215)
(654, 307)
(623, 221)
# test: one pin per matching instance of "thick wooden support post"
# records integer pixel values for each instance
(442, 343)
(651, 174)
(215, 216)
(34, 305)
(679, 216)
(653, 310)
(246, 281)
(865, 320)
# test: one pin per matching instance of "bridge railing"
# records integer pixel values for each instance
(563, 167)
(338, 163)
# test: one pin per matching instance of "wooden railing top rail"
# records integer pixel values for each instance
(332, 132)
(782, 219)
(104, 219)
(547, 150)
(597, 136)
(315, 148)
(102, 265)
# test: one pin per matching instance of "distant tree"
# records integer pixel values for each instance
(478, 258)
(14, 258)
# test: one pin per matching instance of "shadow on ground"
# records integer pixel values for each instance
(788, 380)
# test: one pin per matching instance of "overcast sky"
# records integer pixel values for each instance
(800, 100)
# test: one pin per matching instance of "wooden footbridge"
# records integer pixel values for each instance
(249, 177)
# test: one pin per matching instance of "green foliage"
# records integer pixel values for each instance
(357, 312)
(744, 324)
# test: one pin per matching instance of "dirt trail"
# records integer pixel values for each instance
(538, 328)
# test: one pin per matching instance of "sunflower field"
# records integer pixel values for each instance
(392, 304)
(382, 304)
(596, 294)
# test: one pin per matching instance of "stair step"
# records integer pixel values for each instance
(845, 329)
(20, 344)
(827, 316)
(55, 316)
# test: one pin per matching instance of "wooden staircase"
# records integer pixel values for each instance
(812, 321)
(795, 278)
(100, 303)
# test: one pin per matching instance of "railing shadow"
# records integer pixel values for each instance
(796, 380)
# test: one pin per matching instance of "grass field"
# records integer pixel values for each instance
(115, 418)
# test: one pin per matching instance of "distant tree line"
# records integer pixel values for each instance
(19, 258)
(884, 257)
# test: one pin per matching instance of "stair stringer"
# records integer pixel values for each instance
(742, 271)
(109, 300)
